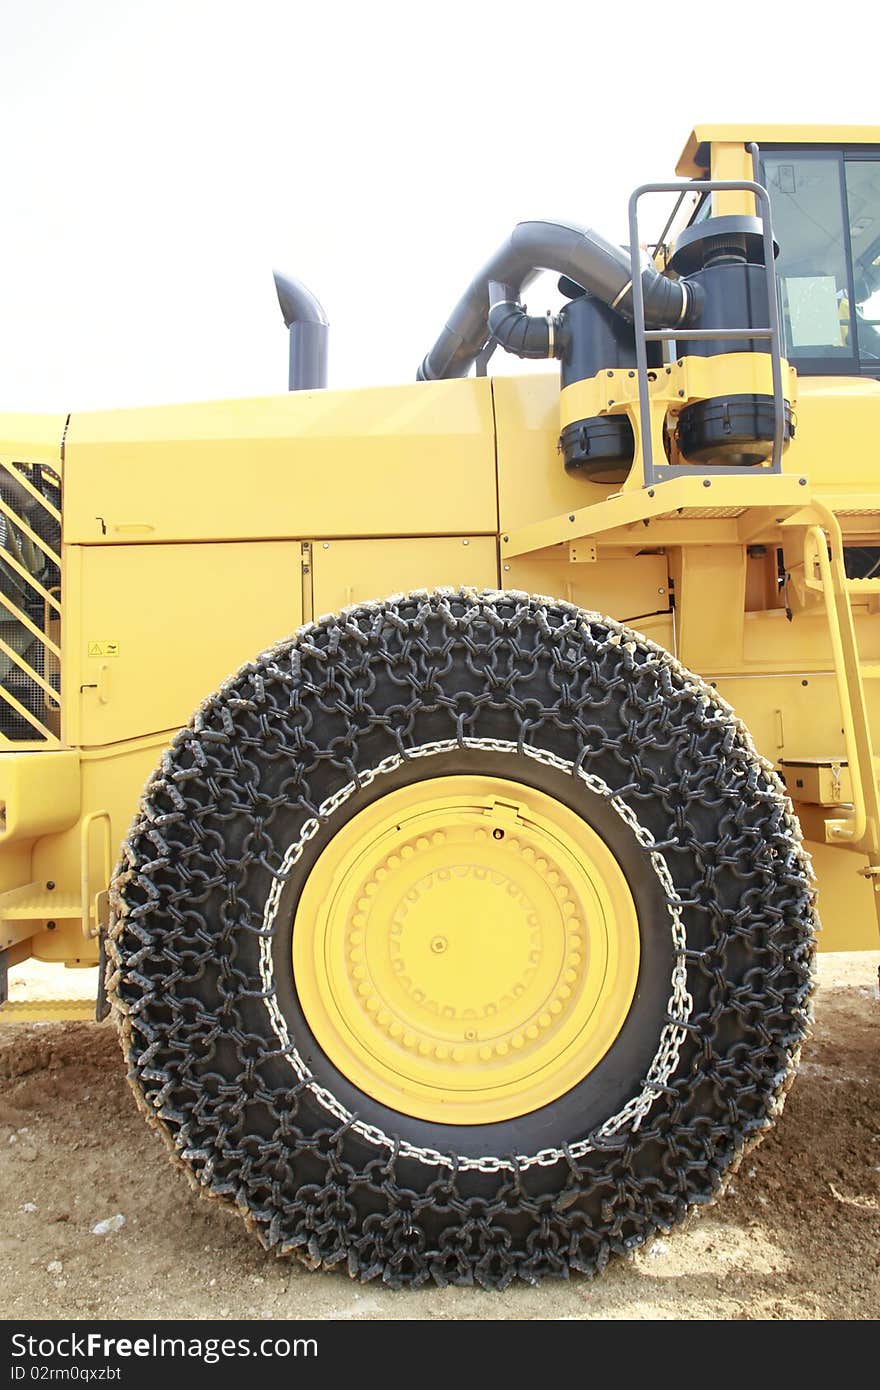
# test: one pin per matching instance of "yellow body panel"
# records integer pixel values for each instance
(150, 629)
(58, 791)
(837, 417)
(632, 588)
(38, 794)
(112, 779)
(346, 572)
(531, 480)
(393, 461)
(36, 438)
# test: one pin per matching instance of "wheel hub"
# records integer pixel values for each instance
(466, 949)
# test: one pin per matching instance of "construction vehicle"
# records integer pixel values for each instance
(467, 934)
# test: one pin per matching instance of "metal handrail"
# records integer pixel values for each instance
(816, 548)
(90, 900)
(824, 544)
(644, 335)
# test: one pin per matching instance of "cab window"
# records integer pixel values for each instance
(863, 203)
(826, 218)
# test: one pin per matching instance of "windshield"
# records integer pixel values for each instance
(826, 218)
(863, 202)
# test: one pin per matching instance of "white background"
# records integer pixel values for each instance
(159, 158)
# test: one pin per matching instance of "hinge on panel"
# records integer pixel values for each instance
(308, 601)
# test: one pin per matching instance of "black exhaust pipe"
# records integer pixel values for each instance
(309, 332)
(580, 254)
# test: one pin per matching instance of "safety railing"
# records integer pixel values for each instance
(30, 604)
(825, 571)
(771, 332)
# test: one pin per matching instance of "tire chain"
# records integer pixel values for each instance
(187, 936)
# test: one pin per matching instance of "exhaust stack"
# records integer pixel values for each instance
(309, 333)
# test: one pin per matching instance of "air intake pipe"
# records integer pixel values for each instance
(525, 335)
(583, 256)
(309, 332)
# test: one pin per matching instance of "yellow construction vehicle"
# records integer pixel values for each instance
(467, 933)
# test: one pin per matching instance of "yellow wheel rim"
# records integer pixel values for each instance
(466, 949)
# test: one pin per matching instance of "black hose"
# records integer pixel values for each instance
(577, 252)
(523, 334)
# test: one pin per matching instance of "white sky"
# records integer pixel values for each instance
(159, 158)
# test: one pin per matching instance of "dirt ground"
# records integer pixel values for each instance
(796, 1236)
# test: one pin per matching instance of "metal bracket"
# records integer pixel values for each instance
(482, 359)
(582, 552)
(91, 904)
(102, 1003)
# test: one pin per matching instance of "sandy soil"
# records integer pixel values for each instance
(797, 1235)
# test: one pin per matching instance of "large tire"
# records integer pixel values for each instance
(255, 820)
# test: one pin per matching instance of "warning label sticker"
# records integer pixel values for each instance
(103, 649)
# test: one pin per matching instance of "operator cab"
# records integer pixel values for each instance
(824, 186)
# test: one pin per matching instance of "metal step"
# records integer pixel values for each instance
(46, 1010)
(866, 587)
(34, 902)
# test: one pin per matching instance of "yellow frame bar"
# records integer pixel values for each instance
(862, 829)
(31, 535)
(85, 874)
(19, 477)
(780, 495)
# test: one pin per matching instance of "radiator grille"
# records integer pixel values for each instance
(30, 603)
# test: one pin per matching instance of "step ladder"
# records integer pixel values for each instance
(858, 828)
